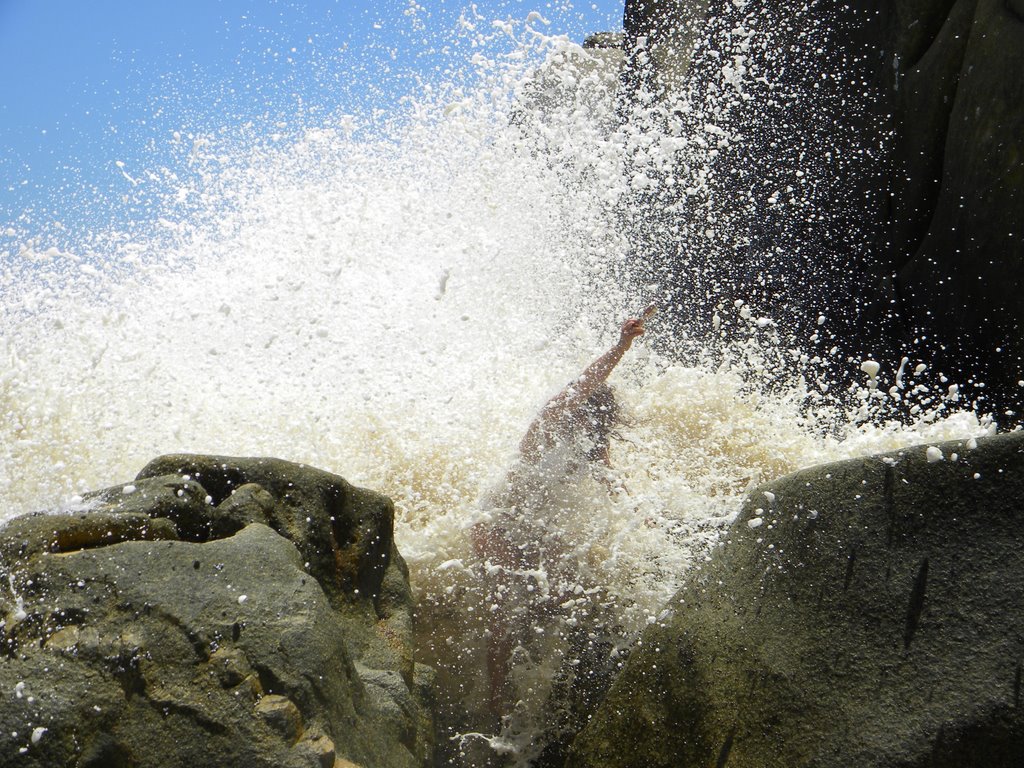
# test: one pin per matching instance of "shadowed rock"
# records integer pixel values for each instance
(863, 613)
(909, 118)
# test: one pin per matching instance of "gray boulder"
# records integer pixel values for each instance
(862, 613)
(215, 611)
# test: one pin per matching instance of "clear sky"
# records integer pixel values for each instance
(90, 87)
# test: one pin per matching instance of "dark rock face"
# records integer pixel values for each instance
(906, 228)
(957, 245)
(216, 611)
(863, 613)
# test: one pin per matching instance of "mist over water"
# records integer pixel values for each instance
(392, 299)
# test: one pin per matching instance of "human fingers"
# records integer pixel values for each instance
(633, 326)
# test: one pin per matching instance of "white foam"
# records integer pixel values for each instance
(871, 368)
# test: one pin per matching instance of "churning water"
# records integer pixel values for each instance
(392, 298)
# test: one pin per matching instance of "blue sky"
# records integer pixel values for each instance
(89, 85)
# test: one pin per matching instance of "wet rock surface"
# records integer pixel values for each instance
(862, 613)
(958, 183)
(908, 119)
(215, 611)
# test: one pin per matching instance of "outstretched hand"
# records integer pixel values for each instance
(634, 326)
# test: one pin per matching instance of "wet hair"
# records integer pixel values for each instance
(599, 414)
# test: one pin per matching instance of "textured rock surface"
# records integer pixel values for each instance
(872, 618)
(215, 611)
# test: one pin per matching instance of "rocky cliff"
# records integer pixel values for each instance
(861, 160)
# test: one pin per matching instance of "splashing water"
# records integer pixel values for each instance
(393, 300)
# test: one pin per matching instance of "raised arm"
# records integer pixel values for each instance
(558, 408)
(598, 371)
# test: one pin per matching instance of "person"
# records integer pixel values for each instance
(522, 540)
